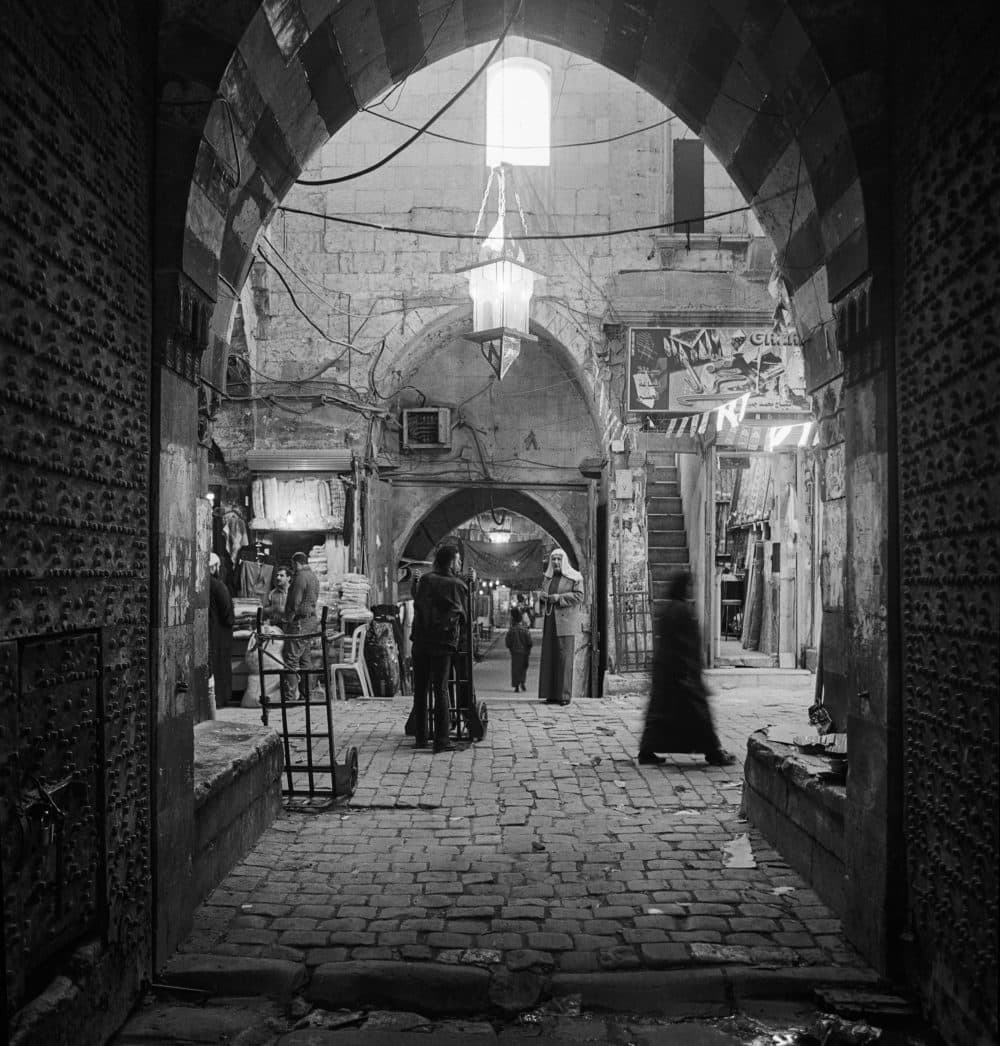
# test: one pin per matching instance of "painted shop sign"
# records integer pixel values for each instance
(674, 370)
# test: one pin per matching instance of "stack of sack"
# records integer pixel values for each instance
(318, 565)
(354, 590)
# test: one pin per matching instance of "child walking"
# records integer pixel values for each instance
(518, 642)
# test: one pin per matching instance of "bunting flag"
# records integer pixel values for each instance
(727, 415)
(799, 432)
(730, 415)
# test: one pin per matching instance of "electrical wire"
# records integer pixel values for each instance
(795, 200)
(677, 223)
(401, 388)
(752, 108)
(305, 283)
(298, 308)
(558, 145)
(436, 116)
(290, 381)
(600, 291)
(427, 301)
(417, 65)
(274, 400)
(347, 345)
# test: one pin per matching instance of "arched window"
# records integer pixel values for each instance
(517, 113)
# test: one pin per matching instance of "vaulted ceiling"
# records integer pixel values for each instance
(789, 96)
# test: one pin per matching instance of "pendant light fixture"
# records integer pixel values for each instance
(500, 283)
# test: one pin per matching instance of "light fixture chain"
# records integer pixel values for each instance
(482, 206)
(502, 202)
(520, 211)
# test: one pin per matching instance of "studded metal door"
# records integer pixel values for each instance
(949, 481)
(74, 459)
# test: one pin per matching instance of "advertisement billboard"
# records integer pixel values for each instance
(681, 371)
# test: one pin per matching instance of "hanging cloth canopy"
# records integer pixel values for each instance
(517, 564)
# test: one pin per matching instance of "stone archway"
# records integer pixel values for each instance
(775, 91)
(567, 513)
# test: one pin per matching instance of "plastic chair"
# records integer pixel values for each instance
(354, 661)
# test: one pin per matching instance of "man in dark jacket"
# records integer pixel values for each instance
(439, 608)
(300, 620)
(220, 633)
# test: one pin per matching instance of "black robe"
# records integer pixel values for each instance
(678, 718)
(220, 640)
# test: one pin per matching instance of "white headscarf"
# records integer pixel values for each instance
(214, 563)
(568, 570)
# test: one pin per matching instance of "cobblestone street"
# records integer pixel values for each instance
(544, 846)
(516, 890)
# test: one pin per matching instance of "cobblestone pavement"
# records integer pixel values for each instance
(537, 886)
(543, 846)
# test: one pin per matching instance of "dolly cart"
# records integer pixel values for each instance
(302, 731)
(468, 720)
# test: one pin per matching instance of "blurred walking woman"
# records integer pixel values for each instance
(678, 718)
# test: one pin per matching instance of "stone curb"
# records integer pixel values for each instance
(445, 989)
(318, 1037)
(235, 975)
(691, 990)
(429, 988)
(795, 982)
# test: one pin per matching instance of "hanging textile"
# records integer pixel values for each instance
(235, 531)
(518, 563)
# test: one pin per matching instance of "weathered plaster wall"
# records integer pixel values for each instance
(180, 676)
(832, 546)
(380, 549)
(627, 530)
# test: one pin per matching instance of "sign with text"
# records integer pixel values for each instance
(676, 370)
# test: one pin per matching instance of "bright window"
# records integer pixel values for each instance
(517, 113)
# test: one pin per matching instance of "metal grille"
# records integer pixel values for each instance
(311, 769)
(949, 480)
(633, 626)
(74, 473)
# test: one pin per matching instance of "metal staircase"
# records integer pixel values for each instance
(666, 538)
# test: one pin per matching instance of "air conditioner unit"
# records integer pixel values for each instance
(427, 428)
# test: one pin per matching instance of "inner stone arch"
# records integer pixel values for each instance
(450, 510)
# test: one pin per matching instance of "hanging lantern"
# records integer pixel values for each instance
(500, 286)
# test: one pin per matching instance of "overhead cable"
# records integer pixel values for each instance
(679, 223)
(556, 145)
(417, 65)
(298, 308)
